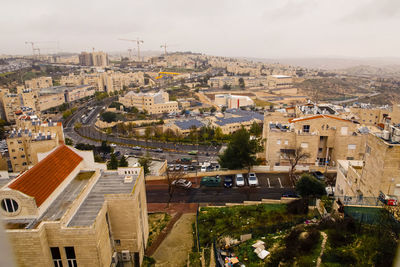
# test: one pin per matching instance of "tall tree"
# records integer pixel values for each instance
(113, 163)
(171, 177)
(256, 129)
(241, 151)
(145, 162)
(294, 156)
(123, 162)
(308, 186)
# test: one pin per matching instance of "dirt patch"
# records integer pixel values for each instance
(174, 250)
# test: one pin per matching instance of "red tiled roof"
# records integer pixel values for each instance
(42, 179)
(317, 117)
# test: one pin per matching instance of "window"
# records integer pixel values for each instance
(320, 149)
(350, 158)
(286, 142)
(9, 205)
(368, 149)
(117, 242)
(278, 142)
(304, 145)
(56, 255)
(71, 258)
(351, 147)
(306, 128)
(343, 131)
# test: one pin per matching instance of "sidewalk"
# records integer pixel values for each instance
(173, 207)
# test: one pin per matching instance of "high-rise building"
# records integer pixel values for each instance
(97, 59)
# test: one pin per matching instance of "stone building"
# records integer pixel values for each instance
(38, 83)
(32, 138)
(379, 172)
(69, 211)
(326, 138)
(153, 103)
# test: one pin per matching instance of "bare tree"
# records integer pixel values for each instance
(294, 156)
(171, 177)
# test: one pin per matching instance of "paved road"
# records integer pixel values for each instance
(159, 194)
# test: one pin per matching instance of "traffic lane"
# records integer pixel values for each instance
(159, 194)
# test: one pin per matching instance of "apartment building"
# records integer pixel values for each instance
(378, 173)
(73, 212)
(10, 103)
(233, 101)
(38, 83)
(279, 81)
(220, 82)
(369, 115)
(235, 119)
(36, 137)
(326, 138)
(153, 103)
(96, 59)
(78, 92)
(93, 79)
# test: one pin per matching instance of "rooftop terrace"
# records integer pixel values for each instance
(108, 183)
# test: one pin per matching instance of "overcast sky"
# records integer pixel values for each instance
(252, 28)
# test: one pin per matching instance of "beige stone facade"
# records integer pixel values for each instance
(38, 83)
(279, 81)
(153, 103)
(96, 221)
(10, 103)
(325, 138)
(25, 143)
(97, 59)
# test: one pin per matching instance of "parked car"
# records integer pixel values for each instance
(182, 183)
(210, 181)
(177, 167)
(191, 168)
(228, 181)
(158, 150)
(185, 168)
(290, 194)
(203, 168)
(136, 148)
(113, 145)
(171, 167)
(319, 175)
(239, 180)
(253, 181)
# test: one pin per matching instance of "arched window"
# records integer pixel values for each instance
(9, 205)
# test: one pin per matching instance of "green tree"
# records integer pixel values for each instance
(256, 129)
(108, 116)
(113, 163)
(123, 162)
(68, 141)
(145, 162)
(66, 114)
(308, 186)
(241, 151)
(226, 87)
(241, 83)
(213, 109)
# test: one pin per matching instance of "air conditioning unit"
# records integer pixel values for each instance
(396, 138)
(114, 259)
(126, 256)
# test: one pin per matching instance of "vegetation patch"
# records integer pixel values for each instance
(157, 222)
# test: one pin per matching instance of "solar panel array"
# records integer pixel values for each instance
(187, 124)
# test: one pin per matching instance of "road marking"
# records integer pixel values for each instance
(269, 184)
(279, 180)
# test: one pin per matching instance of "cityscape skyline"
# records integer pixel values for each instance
(276, 29)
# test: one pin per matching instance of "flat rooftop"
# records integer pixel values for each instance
(108, 183)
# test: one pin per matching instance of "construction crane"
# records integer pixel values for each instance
(34, 48)
(130, 53)
(138, 42)
(165, 48)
